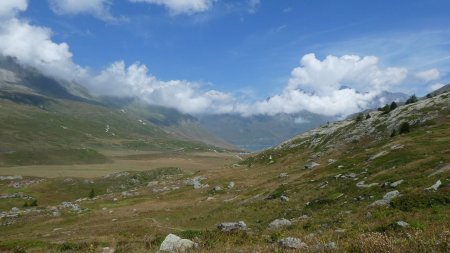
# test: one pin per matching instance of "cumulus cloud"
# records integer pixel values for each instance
(9, 8)
(32, 46)
(135, 81)
(428, 75)
(324, 77)
(334, 86)
(177, 7)
(97, 8)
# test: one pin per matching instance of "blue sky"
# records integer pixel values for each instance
(249, 48)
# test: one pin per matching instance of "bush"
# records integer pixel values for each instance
(411, 202)
(359, 118)
(404, 128)
(393, 106)
(411, 100)
(34, 203)
(92, 193)
(368, 116)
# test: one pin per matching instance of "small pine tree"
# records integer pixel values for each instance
(368, 116)
(404, 128)
(34, 203)
(393, 106)
(429, 95)
(359, 118)
(394, 133)
(92, 193)
(385, 109)
(411, 100)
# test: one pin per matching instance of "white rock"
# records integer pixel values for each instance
(435, 186)
(283, 174)
(292, 243)
(232, 226)
(311, 165)
(397, 183)
(387, 198)
(173, 243)
(280, 223)
(284, 198)
(441, 170)
(363, 185)
(402, 224)
(382, 153)
(231, 185)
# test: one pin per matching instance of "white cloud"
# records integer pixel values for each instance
(323, 77)
(428, 75)
(32, 45)
(134, 80)
(334, 86)
(253, 5)
(97, 8)
(9, 8)
(435, 86)
(177, 7)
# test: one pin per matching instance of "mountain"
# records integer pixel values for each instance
(439, 91)
(260, 131)
(263, 131)
(44, 120)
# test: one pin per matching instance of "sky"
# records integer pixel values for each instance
(227, 56)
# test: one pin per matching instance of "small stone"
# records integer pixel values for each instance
(397, 183)
(387, 198)
(232, 226)
(231, 185)
(435, 186)
(284, 198)
(283, 174)
(292, 243)
(402, 224)
(280, 223)
(311, 165)
(218, 188)
(362, 184)
(331, 161)
(108, 250)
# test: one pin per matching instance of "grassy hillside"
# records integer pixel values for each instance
(35, 129)
(330, 206)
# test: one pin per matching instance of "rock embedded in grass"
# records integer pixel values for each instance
(435, 186)
(280, 223)
(173, 243)
(397, 183)
(387, 198)
(292, 243)
(232, 226)
(311, 165)
(402, 224)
